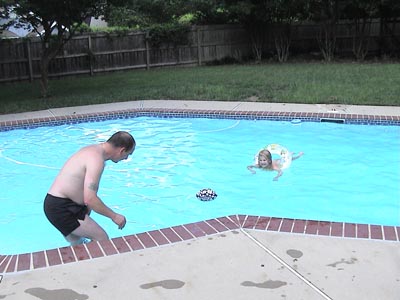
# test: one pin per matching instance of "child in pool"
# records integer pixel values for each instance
(265, 161)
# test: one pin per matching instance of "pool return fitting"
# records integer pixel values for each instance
(332, 120)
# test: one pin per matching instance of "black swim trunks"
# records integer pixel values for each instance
(64, 213)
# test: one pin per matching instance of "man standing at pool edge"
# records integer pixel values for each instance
(73, 193)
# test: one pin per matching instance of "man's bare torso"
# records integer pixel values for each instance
(70, 181)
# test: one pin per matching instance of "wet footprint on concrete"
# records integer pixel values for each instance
(166, 284)
(352, 261)
(269, 284)
(294, 253)
(45, 294)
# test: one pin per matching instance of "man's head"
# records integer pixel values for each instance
(125, 142)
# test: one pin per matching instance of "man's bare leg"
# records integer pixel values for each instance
(74, 239)
(88, 229)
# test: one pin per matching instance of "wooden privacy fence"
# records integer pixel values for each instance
(379, 37)
(94, 53)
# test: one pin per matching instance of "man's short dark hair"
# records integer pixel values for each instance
(122, 139)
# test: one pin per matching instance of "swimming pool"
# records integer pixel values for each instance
(345, 167)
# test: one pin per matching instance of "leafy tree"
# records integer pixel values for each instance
(389, 14)
(327, 14)
(255, 16)
(55, 22)
(284, 13)
(162, 19)
(208, 12)
(259, 17)
(143, 13)
(361, 13)
(123, 16)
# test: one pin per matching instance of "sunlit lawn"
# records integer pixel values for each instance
(342, 83)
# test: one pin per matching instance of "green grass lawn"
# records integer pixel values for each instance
(340, 83)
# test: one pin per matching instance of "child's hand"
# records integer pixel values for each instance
(250, 168)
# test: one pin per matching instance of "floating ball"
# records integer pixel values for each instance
(206, 195)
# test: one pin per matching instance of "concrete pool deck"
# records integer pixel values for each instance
(237, 263)
(332, 109)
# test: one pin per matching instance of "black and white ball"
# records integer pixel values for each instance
(206, 195)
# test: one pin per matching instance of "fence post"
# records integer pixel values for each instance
(147, 50)
(28, 52)
(90, 53)
(198, 47)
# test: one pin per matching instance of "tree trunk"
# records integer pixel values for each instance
(51, 45)
(257, 31)
(327, 40)
(282, 38)
(257, 49)
(44, 72)
(361, 38)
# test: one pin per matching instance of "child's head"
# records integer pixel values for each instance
(264, 159)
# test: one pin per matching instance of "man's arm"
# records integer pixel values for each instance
(94, 170)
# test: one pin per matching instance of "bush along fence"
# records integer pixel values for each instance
(101, 52)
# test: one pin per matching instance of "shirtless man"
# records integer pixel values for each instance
(74, 191)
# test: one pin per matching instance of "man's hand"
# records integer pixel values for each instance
(119, 220)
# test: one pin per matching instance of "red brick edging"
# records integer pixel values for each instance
(171, 235)
(165, 112)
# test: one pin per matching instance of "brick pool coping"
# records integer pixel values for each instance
(36, 260)
(180, 233)
(196, 113)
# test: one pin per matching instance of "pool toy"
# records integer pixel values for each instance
(296, 121)
(284, 154)
(206, 195)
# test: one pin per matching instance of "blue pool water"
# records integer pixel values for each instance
(349, 173)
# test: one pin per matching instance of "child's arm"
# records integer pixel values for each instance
(278, 175)
(297, 156)
(250, 168)
(276, 167)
